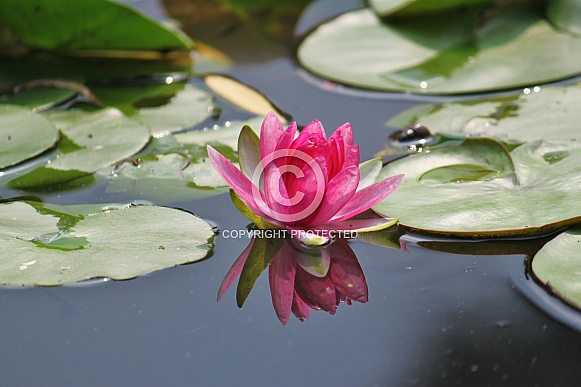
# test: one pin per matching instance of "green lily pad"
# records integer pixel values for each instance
(164, 108)
(38, 98)
(397, 8)
(558, 266)
(90, 141)
(175, 168)
(527, 195)
(441, 55)
(57, 26)
(36, 251)
(186, 109)
(23, 135)
(549, 113)
(565, 14)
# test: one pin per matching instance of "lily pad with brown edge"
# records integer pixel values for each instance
(478, 190)
(53, 245)
(442, 55)
(23, 135)
(549, 113)
(557, 265)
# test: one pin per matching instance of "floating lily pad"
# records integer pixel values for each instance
(399, 8)
(549, 113)
(23, 135)
(91, 140)
(164, 108)
(565, 14)
(64, 26)
(35, 249)
(38, 97)
(175, 167)
(528, 196)
(441, 55)
(558, 266)
(186, 109)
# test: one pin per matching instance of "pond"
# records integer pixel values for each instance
(433, 318)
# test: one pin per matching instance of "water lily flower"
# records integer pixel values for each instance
(305, 182)
(301, 279)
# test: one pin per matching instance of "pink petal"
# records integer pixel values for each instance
(288, 136)
(235, 270)
(340, 189)
(368, 197)
(235, 179)
(300, 308)
(320, 291)
(281, 275)
(346, 272)
(270, 133)
(314, 127)
(341, 142)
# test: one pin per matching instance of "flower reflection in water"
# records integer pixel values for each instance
(301, 278)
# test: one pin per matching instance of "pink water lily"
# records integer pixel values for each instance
(305, 182)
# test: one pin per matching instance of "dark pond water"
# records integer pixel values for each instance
(432, 318)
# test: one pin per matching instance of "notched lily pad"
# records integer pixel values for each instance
(37, 248)
(526, 196)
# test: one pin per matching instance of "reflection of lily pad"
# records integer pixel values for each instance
(536, 197)
(558, 266)
(549, 113)
(441, 55)
(119, 244)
